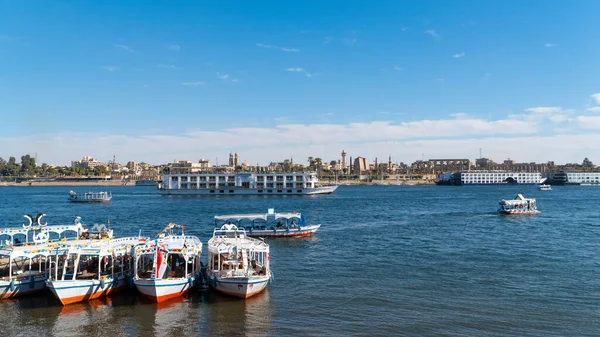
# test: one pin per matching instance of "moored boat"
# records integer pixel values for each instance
(237, 264)
(168, 266)
(93, 270)
(24, 262)
(545, 187)
(90, 197)
(271, 224)
(518, 206)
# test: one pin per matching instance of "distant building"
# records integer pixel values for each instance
(449, 165)
(361, 165)
(87, 163)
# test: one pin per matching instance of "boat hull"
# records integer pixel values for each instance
(242, 287)
(79, 201)
(74, 291)
(249, 191)
(514, 212)
(21, 287)
(302, 232)
(162, 290)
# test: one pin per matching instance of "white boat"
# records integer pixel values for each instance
(90, 197)
(270, 224)
(518, 206)
(24, 253)
(544, 187)
(90, 270)
(168, 266)
(237, 264)
(243, 183)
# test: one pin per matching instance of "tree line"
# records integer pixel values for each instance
(28, 168)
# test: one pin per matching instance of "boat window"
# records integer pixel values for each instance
(270, 191)
(230, 191)
(279, 191)
(289, 191)
(299, 191)
(221, 191)
(260, 191)
(212, 191)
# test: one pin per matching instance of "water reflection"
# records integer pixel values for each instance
(125, 314)
(227, 315)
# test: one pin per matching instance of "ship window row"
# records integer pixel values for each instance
(279, 178)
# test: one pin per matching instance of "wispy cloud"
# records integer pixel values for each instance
(124, 47)
(174, 47)
(328, 39)
(278, 119)
(350, 41)
(596, 98)
(223, 77)
(398, 68)
(193, 84)
(269, 46)
(433, 33)
(460, 115)
(110, 68)
(459, 55)
(404, 29)
(301, 70)
(545, 109)
(594, 109)
(235, 80)
(549, 45)
(167, 66)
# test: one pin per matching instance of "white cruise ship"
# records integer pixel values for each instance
(244, 183)
(500, 178)
(583, 178)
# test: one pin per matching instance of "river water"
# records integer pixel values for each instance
(388, 260)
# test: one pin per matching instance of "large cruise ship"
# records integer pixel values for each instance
(491, 178)
(243, 183)
(573, 178)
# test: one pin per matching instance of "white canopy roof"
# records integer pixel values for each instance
(238, 217)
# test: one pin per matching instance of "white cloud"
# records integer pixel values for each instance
(594, 109)
(456, 56)
(549, 45)
(234, 80)
(124, 47)
(223, 77)
(588, 122)
(268, 46)
(397, 68)
(298, 70)
(460, 115)
(596, 98)
(433, 33)
(404, 29)
(174, 47)
(110, 68)
(545, 110)
(193, 83)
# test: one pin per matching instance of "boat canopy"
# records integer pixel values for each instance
(264, 217)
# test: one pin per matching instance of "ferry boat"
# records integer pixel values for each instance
(24, 255)
(545, 187)
(270, 224)
(243, 183)
(237, 264)
(169, 266)
(90, 197)
(490, 178)
(518, 206)
(84, 272)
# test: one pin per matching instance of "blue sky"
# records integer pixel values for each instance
(156, 81)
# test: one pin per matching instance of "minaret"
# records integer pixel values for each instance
(230, 159)
(344, 160)
(291, 161)
(376, 164)
(237, 160)
(350, 164)
(390, 164)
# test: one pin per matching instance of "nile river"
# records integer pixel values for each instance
(388, 260)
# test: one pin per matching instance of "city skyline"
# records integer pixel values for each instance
(297, 79)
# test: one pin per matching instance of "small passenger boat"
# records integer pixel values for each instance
(237, 264)
(168, 266)
(545, 187)
(93, 270)
(518, 206)
(270, 224)
(90, 197)
(24, 254)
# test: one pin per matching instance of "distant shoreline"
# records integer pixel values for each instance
(69, 183)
